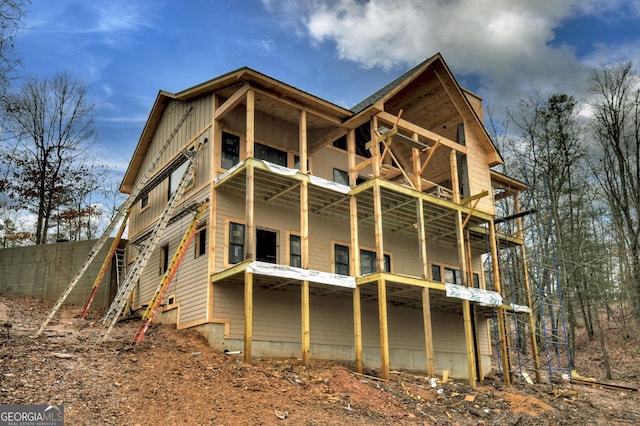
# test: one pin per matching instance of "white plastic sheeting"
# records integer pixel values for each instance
(483, 297)
(285, 171)
(283, 271)
(228, 172)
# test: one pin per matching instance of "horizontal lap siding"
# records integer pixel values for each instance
(189, 284)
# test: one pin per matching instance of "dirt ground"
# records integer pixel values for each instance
(173, 377)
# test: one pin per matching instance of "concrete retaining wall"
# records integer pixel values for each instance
(45, 271)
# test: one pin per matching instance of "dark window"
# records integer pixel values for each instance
(368, 263)
(230, 150)
(476, 280)
(341, 143)
(340, 176)
(144, 202)
(164, 259)
(341, 258)
(452, 276)
(201, 242)
(266, 246)
(236, 242)
(296, 162)
(435, 273)
(271, 155)
(295, 251)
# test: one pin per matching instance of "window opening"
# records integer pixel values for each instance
(230, 150)
(164, 259)
(368, 263)
(270, 154)
(295, 251)
(341, 259)
(201, 242)
(236, 242)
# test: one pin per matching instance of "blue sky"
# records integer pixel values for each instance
(339, 50)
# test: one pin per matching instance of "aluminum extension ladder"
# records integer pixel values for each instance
(119, 302)
(120, 217)
(167, 278)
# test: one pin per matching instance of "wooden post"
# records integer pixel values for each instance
(426, 303)
(382, 287)
(375, 148)
(417, 168)
(466, 310)
(502, 335)
(527, 291)
(384, 330)
(248, 315)
(250, 234)
(357, 328)
(355, 251)
(304, 239)
(214, 147)
(250, 133)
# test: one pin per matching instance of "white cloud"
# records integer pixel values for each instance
(507, 44)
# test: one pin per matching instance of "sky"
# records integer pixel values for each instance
(339, 50)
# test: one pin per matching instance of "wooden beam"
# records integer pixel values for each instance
(474, 197)
(297, 105)
(429, 156)
(327, 139)
(248, 315)
(426, 303)
(432, 136)
(231, 102)
(284, 191)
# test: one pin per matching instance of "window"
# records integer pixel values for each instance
(340, 176)
(230, 150)
(295, 251)
(341, 259)
(271, 155)
(200, 242)
(435, 273)
(476, 280)
(452, 276)
(164, 259)
(236, 242)
(144, 202)
(296, 163)
(266, 246)
(368, 264)
(176, 177)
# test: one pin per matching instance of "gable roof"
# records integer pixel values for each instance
(388, 91)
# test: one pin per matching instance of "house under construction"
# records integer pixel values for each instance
(366, 234)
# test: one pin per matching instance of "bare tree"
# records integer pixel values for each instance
(52, 123)
(616, 128)
(12, 13)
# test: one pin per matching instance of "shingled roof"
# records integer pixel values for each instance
(364, 104)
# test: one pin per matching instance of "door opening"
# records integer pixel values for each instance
(266, 246)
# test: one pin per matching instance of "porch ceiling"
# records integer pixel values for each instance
(399, 209)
